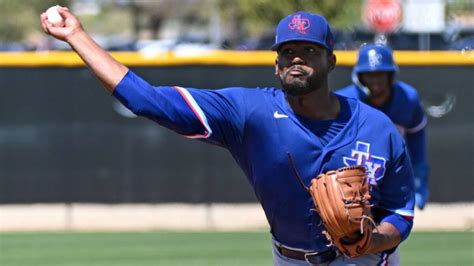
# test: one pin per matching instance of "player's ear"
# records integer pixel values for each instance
(331, 61)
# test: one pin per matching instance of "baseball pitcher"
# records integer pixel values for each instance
(285, 140)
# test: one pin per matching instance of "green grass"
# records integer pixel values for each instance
(438, 248)
(197, 248)
(134, 249)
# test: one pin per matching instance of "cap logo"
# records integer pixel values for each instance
(299, 24)
(375, 58)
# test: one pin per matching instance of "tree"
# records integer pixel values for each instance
(260, 15)
(252, 18)
(18, 18)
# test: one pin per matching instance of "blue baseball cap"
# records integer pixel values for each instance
(306, 27)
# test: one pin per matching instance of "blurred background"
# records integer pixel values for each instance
(152, 26)
(64, 141)
(72, 158)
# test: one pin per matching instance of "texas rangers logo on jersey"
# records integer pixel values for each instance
(375, 165)
(299, 24)
(375, 59)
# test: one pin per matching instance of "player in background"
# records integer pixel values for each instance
(374, 82)
(260, 126)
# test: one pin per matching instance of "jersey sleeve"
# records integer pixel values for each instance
(398, 195)
(225, 111)
(418, 119)
(416, 144)
(210, 115)
(415, 137)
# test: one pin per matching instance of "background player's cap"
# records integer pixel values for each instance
(304, 26)
(375, 57)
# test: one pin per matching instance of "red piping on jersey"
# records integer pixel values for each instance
(196, 113)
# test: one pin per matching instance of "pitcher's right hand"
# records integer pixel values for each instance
(72, 25)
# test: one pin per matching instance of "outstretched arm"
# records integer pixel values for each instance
(108, 70)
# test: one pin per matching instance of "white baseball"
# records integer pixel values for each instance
(54, 17)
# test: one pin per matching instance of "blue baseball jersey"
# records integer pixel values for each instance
(406, 112)
(259, 129)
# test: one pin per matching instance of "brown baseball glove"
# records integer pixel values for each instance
(342, 200)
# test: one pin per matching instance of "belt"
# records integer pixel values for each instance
(312, 258)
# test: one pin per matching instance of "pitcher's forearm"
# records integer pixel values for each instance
(385, 238)
(108, 70)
